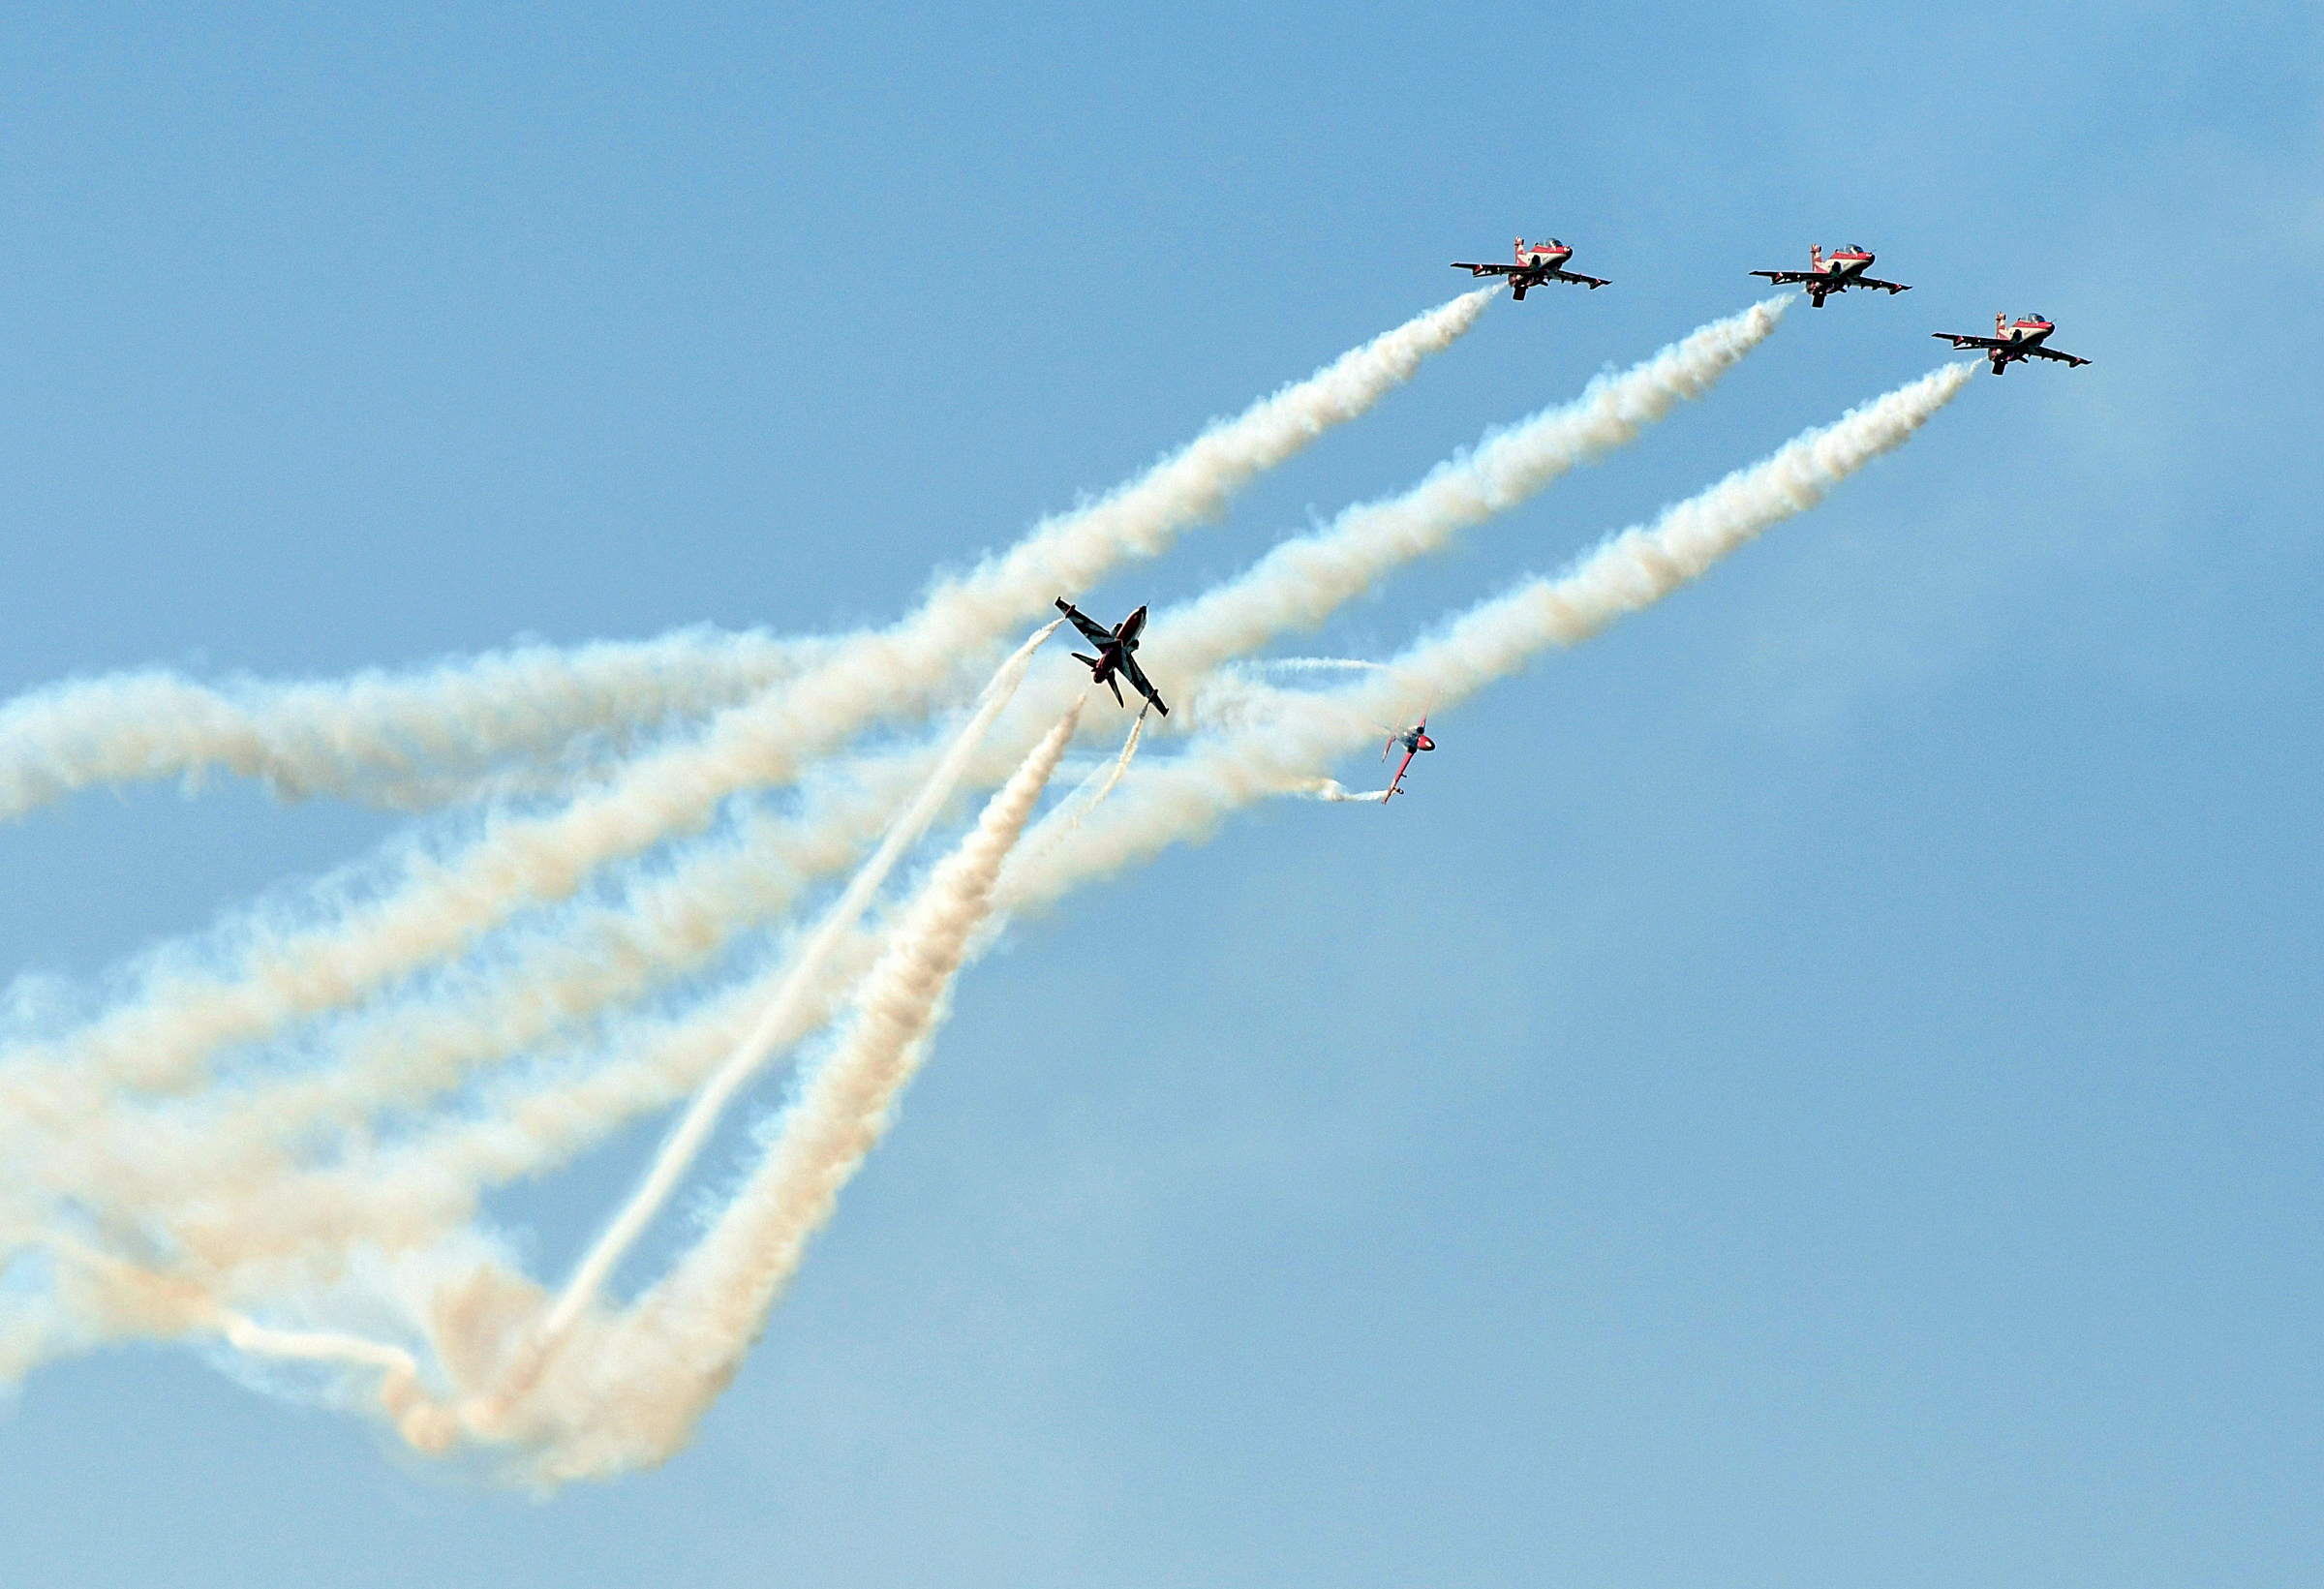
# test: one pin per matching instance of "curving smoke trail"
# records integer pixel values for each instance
(161, 1038)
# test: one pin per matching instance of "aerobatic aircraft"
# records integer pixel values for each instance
(1844, 269)
(1415, 740)
(2011, 341)
(1113, 660)
(1537, 262)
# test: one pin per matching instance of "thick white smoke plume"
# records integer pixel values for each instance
(406, 740)
(161, 1038)
(281, 1147)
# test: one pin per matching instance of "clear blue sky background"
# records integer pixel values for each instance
(1818, 1088)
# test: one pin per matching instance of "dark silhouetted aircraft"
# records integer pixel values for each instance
(1115, 659)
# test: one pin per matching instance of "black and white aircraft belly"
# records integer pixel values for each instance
(1115, 659)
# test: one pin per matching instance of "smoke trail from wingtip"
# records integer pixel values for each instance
(1331, 789)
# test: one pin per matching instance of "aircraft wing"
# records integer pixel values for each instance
(1141, 684)
(1959, 339)
(1395, 786)
(1089, 626)
(1784, 278)
(1892, 289)
(1489, 269)
(1594, 283)
(2052, 352)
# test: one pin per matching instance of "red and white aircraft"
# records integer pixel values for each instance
(1415, 740)
(1537, 262)
(2011, 341)
(1844, 269)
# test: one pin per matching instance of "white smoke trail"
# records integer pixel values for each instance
(799, 987)
(160, 1039)
(1324, 788)
(398, 739)
(654, 1372)
(1627, 573)
(1121, 765)
(1302, 580)
(1296, 582)
(1318, 664)
(632, 1393)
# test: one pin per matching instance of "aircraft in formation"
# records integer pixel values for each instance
(1826, 274)
(1844, 269)
(2011, 341)
(1115, 659)
(1415, 740)
(1536, 263)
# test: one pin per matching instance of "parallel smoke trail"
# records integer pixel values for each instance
(636, 1399)
(1299, 582)
(1629, 572)
(406, 740)
(161, 1039)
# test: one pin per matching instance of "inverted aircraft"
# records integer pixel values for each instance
(1843, 269)
(1415, 740)
(1537, 262)
(1115, 659)
(2011, 341)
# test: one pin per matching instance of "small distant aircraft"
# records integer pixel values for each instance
(1415, 740)
(1538, 263)
(1113, 660)
(1842, 271)
(2011, 341)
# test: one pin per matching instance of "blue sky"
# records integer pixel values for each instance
(1817, 1087)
